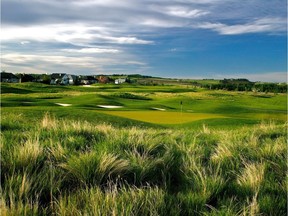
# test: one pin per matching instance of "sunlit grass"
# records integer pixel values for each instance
(163, 117)
(68, 167)
(114, 201)
(252, 176)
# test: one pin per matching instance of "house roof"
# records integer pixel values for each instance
(5, 75)
(87, 78)
(70, 76)
(103, 79)
(57, 75)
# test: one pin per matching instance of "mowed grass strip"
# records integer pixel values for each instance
(163, 117)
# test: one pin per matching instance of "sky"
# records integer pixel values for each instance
(165, 38)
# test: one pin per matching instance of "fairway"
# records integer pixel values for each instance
(160, 117)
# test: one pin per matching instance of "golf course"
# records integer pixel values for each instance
(164, 106)
(133, 149)
(143, 108)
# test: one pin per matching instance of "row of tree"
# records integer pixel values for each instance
(246, 85)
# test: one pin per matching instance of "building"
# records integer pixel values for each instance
(69, 79)
(119, 81)
(103, 79)
(87, 80)
(56, 78)
(9, 78)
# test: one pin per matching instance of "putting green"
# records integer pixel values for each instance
(162, 117)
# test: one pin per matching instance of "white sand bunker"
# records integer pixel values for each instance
(155, 108)
(65, 105)
(109, 106)
(88, 86)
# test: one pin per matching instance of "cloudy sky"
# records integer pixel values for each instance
(168, 38)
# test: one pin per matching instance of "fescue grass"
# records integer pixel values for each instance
(61, 166)
(252, 176)
(113, 201)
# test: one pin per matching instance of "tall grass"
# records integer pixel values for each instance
(98, 168)
(64, 167)
(114, 201)
(49, 122)
(252, 209)
(252, 176)
(28, 154)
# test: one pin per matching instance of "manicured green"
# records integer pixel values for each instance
(162, 117)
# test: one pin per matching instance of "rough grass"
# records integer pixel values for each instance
(67, 167)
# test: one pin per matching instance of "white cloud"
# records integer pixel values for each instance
(260, 25)
(205, 1)
(60, 60)
(24, 42)
(108, 3)
(180, 11)
(92, 50)
(135, 63)
(126, 40)
(77, 34)
(69, 61)
(162, 23)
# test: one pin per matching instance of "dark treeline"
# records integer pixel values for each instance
(246, 85)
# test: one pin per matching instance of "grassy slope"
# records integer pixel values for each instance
(141, 167)
(237, 108)
(67, 167)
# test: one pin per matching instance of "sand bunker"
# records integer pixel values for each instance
(87, 86)
(65, 105)
(109, 106)
(155, 108)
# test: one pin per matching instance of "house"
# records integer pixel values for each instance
(119, 81)
(56, 78)
(103, 79)
(69, 79)
(87, 80)
(9, 78)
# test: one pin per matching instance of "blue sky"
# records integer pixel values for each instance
(167, 38)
